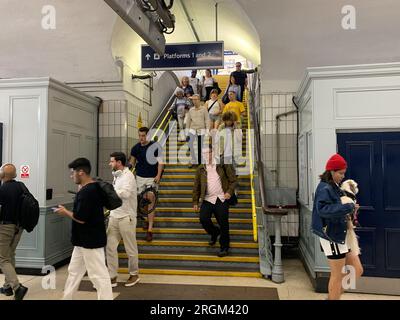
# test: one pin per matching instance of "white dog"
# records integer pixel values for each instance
(350, 188)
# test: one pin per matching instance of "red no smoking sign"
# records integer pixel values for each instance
(25, 171)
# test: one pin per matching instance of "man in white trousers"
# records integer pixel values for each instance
(122, 223)
(88, 234)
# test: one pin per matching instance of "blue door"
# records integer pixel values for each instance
(374, 163)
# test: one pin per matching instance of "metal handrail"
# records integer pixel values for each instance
(166, 114)
(253, 201)
(265, 247)
(163, 115)
(255, 91)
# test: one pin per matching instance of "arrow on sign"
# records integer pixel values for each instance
(148, 56)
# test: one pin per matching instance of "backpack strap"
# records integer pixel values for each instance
(212, 105)
(23, 187)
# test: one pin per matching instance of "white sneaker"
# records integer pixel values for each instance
(114, 282)
(133, 279)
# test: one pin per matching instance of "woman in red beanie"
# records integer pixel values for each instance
(329, 222)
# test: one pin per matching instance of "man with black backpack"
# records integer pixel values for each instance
(88, 233)
(10, 231)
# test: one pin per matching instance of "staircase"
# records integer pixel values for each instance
(180, 245)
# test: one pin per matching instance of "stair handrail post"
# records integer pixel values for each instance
(277, 270)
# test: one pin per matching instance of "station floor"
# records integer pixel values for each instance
(297, 285)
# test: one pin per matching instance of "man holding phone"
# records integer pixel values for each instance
(88, 234)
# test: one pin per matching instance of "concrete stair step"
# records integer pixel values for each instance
(189, 192)
(185, 271)
(196, 220)
(184, 166)
(192, 244)
(167, 184)
(186, 256)
(193, 214)
(190, 223)
(191, 177)
(190, 210)
(192, 231)
(196, 264)
(189, 200)
(185, 205)
(177, 171)
(189, 235)
(193, 247)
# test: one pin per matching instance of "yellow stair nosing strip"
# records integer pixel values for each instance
(189, 183)
(191, 176)
(187, 257)
(203, 273)
(191, 192)
(190, 171)
(190, 209)
(185, 166)
(192, 231)
(195, 220)
(185, 243)
(189, 200)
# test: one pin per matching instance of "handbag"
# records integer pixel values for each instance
(174, 114)
(233, 200)
(174, 111)
(225, 97)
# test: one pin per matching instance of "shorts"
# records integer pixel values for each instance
(333, 250)
(214, 117)
(143, 183)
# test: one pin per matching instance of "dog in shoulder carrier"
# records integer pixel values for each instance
(350, 189)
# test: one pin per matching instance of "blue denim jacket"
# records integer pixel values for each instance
(329, 219)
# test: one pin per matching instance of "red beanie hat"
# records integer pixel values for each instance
(335, 163)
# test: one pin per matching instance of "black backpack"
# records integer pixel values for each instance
(111, 199)
(216, 86)
(28, 210)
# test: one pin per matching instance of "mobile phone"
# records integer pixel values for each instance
(55, 208)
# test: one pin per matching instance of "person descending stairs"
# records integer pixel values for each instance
(180, 244)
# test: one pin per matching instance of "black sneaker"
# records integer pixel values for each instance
(223, 253)
(6, 291)
(20, 292)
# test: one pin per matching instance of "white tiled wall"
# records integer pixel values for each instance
(119, 119)
(272, 105)
(118, 129)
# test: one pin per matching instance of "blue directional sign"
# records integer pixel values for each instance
(184, 56)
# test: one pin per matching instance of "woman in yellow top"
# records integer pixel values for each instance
(234, 106)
